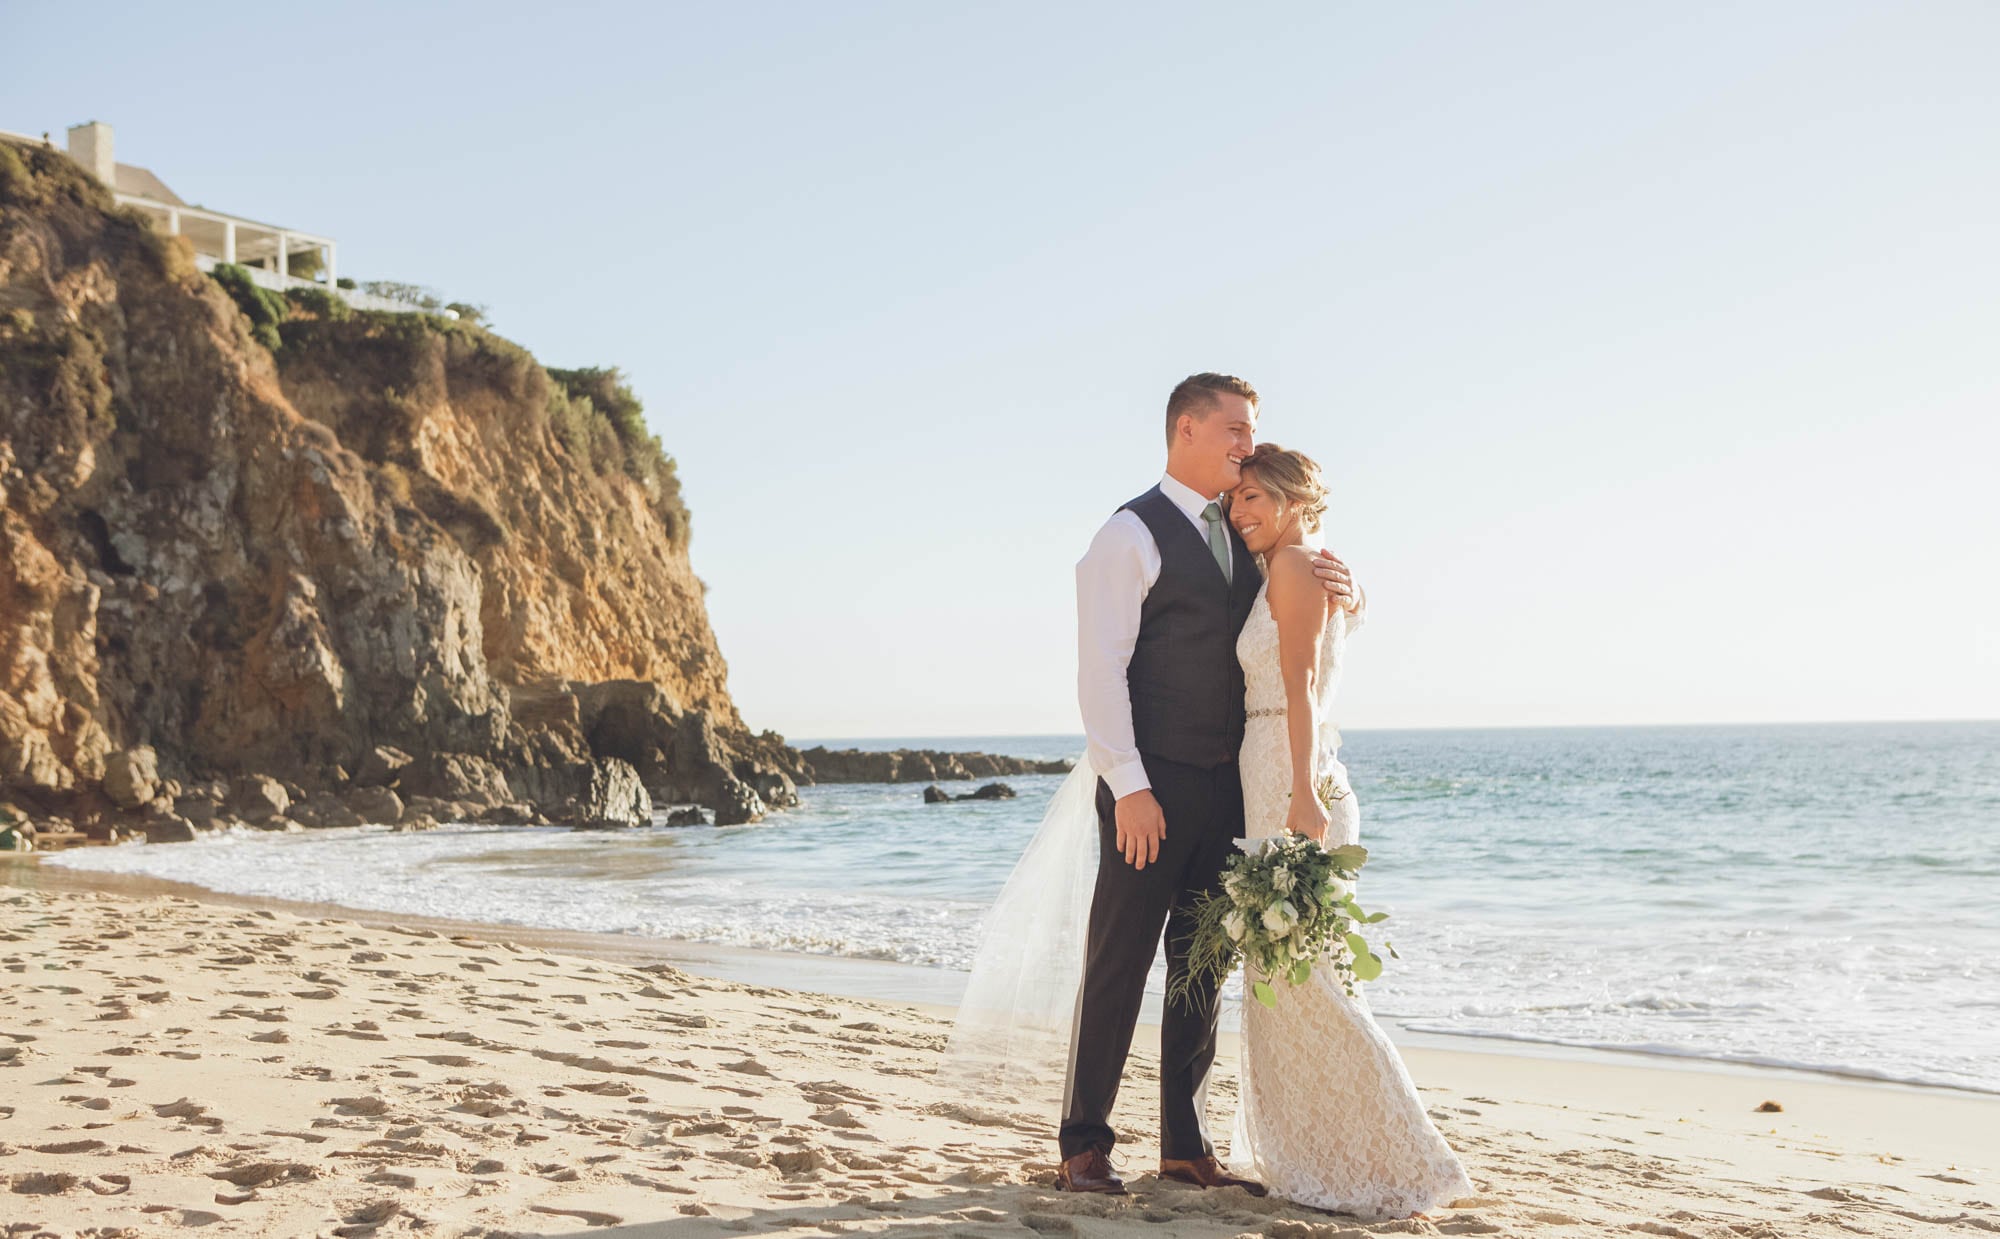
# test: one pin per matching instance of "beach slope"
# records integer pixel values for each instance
(167, 1064)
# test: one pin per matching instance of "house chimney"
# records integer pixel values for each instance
(90, 145)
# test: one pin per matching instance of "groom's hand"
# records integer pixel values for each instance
(1141, 826)
(1338, 580)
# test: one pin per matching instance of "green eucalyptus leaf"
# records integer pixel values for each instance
(1367, 967)
(1302, 972)
(1349, 855)
(1264, 994)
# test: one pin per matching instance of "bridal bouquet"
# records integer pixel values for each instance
(1285, 909)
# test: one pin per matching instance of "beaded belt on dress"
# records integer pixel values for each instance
(1266, 712)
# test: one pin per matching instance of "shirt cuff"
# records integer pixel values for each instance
(1128, 778)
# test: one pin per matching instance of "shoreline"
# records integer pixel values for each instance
(930, 990)
(249, 1069)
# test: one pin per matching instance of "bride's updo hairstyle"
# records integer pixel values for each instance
(1293, 478)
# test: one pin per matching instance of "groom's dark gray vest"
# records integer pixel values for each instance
(1185, 682)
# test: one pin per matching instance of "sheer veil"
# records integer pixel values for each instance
(1012, 1038)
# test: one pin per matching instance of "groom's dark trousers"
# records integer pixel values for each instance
(1204, 813)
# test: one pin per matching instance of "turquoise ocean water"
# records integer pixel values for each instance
(1817, 896)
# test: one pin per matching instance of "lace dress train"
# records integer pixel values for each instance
(1328, 1115)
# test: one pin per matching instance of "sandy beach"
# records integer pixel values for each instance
(169, 1063)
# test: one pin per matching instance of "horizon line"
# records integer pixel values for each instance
(795, 741)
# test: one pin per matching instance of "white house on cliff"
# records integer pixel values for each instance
(277, 257)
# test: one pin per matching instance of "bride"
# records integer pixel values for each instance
(1327, 1115)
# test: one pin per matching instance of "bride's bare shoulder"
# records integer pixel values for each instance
(1297, 598)
(1289, 568)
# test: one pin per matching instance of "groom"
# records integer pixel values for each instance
(1161, 595)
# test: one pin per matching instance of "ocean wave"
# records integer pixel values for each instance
(1720, 916)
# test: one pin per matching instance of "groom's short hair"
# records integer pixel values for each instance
(1195, 396)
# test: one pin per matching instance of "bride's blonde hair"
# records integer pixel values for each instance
(1294, 478)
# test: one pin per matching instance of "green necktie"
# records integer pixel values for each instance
(1218, 542)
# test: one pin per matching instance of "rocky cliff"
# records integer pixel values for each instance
(391, 554)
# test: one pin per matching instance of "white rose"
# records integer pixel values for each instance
(1280, 917)
(1281, 881)
(1234, 926)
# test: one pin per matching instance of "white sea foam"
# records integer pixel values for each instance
(1760, 902)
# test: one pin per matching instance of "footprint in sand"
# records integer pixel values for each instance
(590, 1217)
(262, 1173)
(359, 1105)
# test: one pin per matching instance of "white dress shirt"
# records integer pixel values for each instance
(1112, 580)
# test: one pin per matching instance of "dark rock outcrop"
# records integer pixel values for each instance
(382, 766)
(824, 765)
(683, 755)
(258, 798)
(612, 796)
(376, 805)
(322, 811)
(132, 778)
(170, 830)
(992, 791)
(457, 776)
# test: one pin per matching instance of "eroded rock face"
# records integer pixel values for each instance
(258, 798)
(170, 830)
(322, 811)
(372, 552)
(736, 803)
(683, 755)
(612, 796)
(376, 805)
(132, 778)
(382, 766)
(458, 776)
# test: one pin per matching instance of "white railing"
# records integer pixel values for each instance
(355, 297)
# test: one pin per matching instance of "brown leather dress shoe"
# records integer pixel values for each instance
(1089, 1171)
(1205, 1172)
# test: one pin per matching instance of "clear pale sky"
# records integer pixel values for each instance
(1653, 351)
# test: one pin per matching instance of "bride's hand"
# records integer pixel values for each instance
(1308, 817)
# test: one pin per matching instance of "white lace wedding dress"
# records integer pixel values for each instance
(1328, 1116)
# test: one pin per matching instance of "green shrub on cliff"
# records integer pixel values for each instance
(409, 294)
(17, 185)
(599, 419)
(264, 308)
(320, 303)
